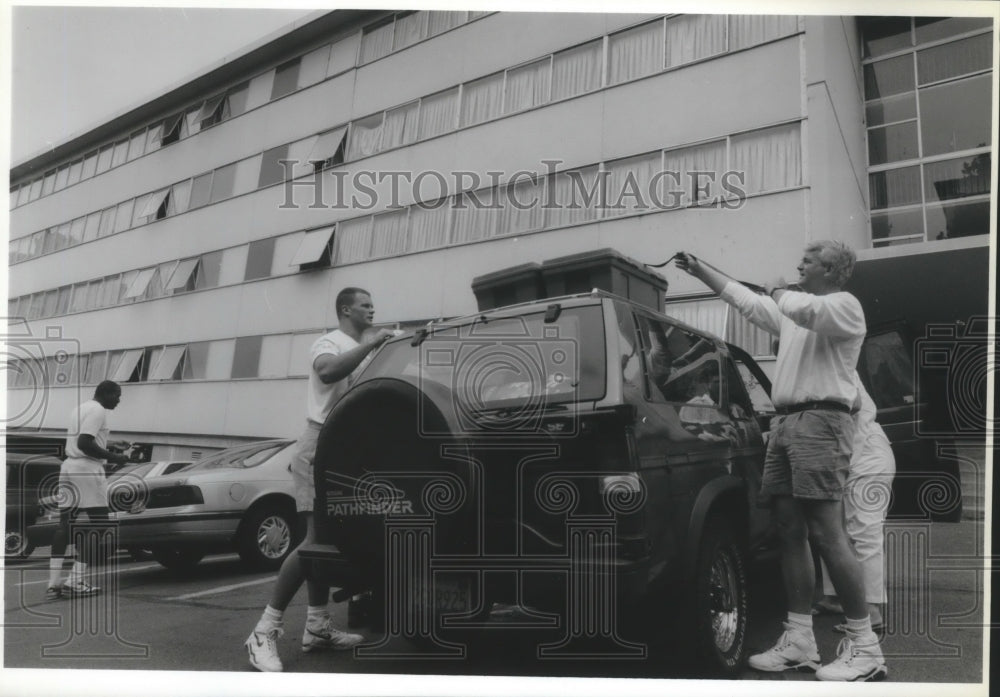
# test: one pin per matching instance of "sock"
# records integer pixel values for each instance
(802, 622)
(269, 620)
(860, 629)
(316, 613)
(55, 571)
(76, 574)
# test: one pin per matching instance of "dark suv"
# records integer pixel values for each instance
(559, 463)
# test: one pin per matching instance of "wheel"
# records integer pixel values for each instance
(16, 545)
(719, 604)
(178, 558)
(266, 537)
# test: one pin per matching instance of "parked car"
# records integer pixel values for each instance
(534, 453)
(240, 499)
(29, 475)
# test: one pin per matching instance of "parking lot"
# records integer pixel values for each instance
(150, 618)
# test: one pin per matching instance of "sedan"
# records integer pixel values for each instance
(239, 499)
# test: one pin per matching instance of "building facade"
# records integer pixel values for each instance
(191, 247)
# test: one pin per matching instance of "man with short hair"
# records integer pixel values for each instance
(83, 485)
(821, 329)
(335, 358)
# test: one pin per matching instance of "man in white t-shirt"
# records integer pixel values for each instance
(821, 329)
(335, 358)
(82, 484)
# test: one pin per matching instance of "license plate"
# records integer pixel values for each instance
(452, 596)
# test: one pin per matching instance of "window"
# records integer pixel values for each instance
(127, 366)
(314, 250)
(154, 207)
(104, 158)
(183, 278)
(353, 240)
(62, 176)
(771, 158)
(120, 153)
(286, 79)
(438, 113)
(245, 175)
(928, 114)
(36, 190)
(236, 100)
(89, 166)
(137, 145)
(179, 198)
(107, 226)
(748, 30)
(329, 148)
(366, 136)
(97, 368)
(389, 233)
(628, 184)
(272, 170)
(211, 112)
(259, 256)
(409, 28)
(475, 215)
(635, 52)
(201, 191)
(313, 67)
(482, 99)
(74, 172)
(63, 300)
(259, 90)
(693, 37)
(167, 365)
(123, 216)
(246, 358)
(577, 70)
(222, 183)
(438, 21)
(207, 271)
(76, 230)
(430, 224)
(376, 40)
(48, 185)
(523, 209)
(685, 186)
(140, 283)
(576, 195)
(171, 130)
(195, 361)
(273, 362)
(528, 86)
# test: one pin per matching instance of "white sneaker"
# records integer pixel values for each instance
(78, 588)
(795, 650)
(855, 663)
(262, 648)
(323, 635)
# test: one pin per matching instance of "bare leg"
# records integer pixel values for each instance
(290, 577)
(796, 556)
(826, 531)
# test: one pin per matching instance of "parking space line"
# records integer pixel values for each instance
(122, 571)
(223, 589)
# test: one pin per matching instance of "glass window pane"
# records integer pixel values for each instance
(956, 115)
(353, 240)
(22, 194)
(691, 37)
(895, 187)
(958, 220)
(892, 143)
(97, 369)
(694, 175)
(154, 138)
(62, 176)
(891, 76)
(195, 361)
(389, 233)
(271, 169)
(201, 189)
(274, 351)
(898, 108)
(966, 176)
(76, 231)
(222, 183)
(771, 158)
(259, 90)
(245, 175)
(286, 79)
(528, 86)
(236, 100)
(897, 223)
(955, 59)
(89, 166)
(429, 225)
(313, 68)
(104, 158)
(577, 70)
(62, 303)
(74, 172)
(180, 197)
(409, 29)
(437, 113)
(365, 137)
(107, 222)
(400, 126)
(882, 35)
(482, 99)
(123, 218)
(475, 216)
(628, 184)
(207, 272)
(749, 30)
(137, 145)
(36, 190)
(259, 257)
(576, 196)
(439, 21)
(48, 185)
(120, 153)
(92, 228)
(635, 52)
(523, 209)
(246, 358)
(934, 28)
(376, 41)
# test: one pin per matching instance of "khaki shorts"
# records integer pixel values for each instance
(808, 455)
(302, 467)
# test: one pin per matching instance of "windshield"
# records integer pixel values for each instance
(497, 363)
(242, 457)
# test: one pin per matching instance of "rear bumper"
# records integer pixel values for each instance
(203, 530)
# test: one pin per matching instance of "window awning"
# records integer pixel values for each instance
(153, 203)
(209, 107)
(124, 370)
(312, 246)
(327, 145)
(182, 274)
(140, 283)
(167, 365)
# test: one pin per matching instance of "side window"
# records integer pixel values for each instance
(757, 391)
(630, 354)
(676, 361)
(886, 369)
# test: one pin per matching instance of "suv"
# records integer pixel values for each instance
(28, 476)
(564, 463)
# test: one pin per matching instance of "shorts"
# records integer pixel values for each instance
(301, 467)
(808, 456)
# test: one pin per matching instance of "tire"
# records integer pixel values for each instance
(178, 558)
(267, 535)
(16, 545)
(719, 603)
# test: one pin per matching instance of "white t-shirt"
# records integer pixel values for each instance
(81, 475)
(322, 397)
(864, 417)
(89, 418)
(821, 337)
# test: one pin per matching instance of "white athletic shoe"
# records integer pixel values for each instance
(262, 648)
(323, 635)
(795, 650)
(855, 663)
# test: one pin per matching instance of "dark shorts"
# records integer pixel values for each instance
(808, 455)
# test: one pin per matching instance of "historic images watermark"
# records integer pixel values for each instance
(368, 190)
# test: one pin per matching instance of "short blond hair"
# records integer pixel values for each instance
(836, 257)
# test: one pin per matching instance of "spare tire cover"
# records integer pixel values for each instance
(385, 461)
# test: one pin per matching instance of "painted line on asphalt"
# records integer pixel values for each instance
(123, 571)
(223, 589)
